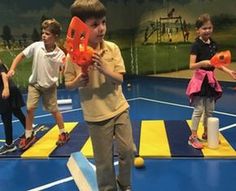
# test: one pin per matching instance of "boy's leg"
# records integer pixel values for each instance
(32, 102)
(49, 97)
(29, 122)
(124, 138)
(29, 138)
(59, 120)
(63, 136)
(33, 97)
(102, 141)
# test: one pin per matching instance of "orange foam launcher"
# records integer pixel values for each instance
(77, 44)
(221, 58)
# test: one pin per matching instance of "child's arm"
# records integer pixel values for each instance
(14, 64)
(116, 77)
(195, 65)
(80, 80)
(73, 79)
(232, 73)
(5, 92)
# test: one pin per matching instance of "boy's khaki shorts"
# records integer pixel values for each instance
(49, 97)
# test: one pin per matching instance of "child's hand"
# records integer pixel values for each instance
(5, 93)
(98, 64)
(206, 64)
(81, 80)
(100, 67)
(10, 73)
(232, 74)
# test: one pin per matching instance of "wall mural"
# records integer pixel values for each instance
(155, 35)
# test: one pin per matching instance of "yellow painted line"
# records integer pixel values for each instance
(46, 144)
(153, 139)
(2, 140)
(87, 149)
(224, 149)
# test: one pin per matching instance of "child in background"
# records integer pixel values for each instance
(203, 89)
(11, 102)
(47, 59)
(104, 106)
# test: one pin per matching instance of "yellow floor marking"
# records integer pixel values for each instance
(87, 149)
(46, 144)
(224, 149)
(153, 139)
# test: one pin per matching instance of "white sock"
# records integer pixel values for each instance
(62, 131)
(28, 133)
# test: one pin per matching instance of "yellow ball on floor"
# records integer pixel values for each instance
(139, 162)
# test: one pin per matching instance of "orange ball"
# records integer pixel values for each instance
(138, 162)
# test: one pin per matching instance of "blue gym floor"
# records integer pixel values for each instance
(150, 98)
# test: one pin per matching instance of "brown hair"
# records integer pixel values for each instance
(85, 9)
(202, 19)
(53, 26)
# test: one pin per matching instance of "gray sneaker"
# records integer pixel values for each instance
(7, 148)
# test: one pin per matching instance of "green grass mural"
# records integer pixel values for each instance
(142, 33)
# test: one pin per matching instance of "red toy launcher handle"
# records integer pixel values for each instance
(221, 58)
(77, 44)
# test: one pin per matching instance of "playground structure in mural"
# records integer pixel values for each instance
(170, 26)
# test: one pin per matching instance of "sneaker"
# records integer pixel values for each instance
(194, 142)
(63, 138)
(26, 143)
(7, 148)
(123, 188)
(22, 136)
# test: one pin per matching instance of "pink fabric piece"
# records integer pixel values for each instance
(195, 83)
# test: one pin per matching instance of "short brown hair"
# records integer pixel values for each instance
(53, 26)
(85, 9)
(202, 19)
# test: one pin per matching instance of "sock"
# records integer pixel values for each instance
(62, 130)
(28, 133)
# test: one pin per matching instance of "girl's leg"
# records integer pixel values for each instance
(20, 115)
(7, 123)
(197, 113)
(209, 108)
(196, 117)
